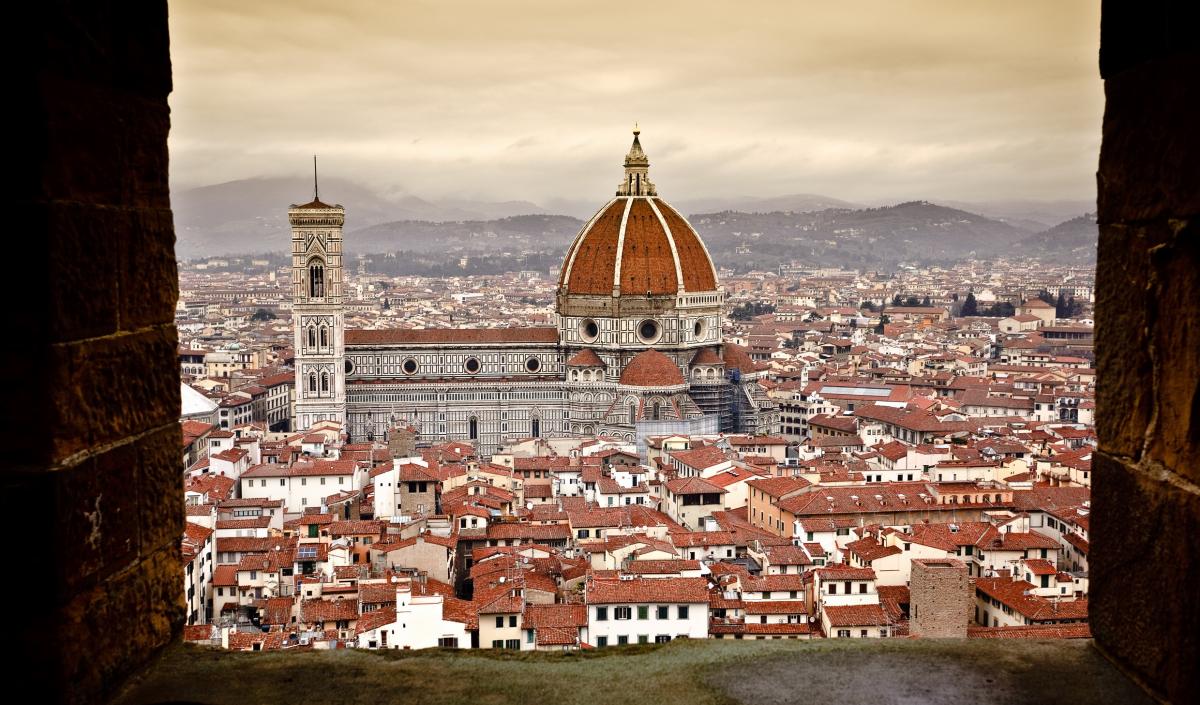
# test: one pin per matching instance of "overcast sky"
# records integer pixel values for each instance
(508, 99)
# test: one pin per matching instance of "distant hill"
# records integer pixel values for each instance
(250, 215)
(1028, 214)
(916, 232)
(1070, 242)
(743, 233)
(520, 233)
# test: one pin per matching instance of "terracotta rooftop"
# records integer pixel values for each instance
(650, 368)
(585, 358)
(656, 246)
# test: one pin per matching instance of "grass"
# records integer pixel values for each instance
(699, 672)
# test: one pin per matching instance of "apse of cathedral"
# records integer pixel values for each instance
(637, 350)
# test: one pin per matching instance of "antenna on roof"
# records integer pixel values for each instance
(316, 191)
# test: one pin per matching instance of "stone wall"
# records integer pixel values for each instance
(940, 599)
(1146, 503)
(93, 452)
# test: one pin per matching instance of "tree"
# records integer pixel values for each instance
(1002, 309)
(883, 321)
(868, 306)
(897, 301)
(751, 309)
(970, 306)
(912, 301)
(262, 314)
(1060, 306)
(387, 305)
(1045, 296)
(925, 301)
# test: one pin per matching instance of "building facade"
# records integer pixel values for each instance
(638, 341)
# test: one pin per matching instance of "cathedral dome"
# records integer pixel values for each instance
(637, 244)
(650, 368)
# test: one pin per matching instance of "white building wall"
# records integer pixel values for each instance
(694, 626)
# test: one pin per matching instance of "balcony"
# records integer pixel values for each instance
(760, 672)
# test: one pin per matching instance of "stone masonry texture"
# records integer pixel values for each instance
(94, 467)
(940, 599)
(1146, 492)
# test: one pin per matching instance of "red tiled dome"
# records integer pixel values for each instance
(738, 358)
(637, 243)
(650, 368)
(657, 248)
(585, 358)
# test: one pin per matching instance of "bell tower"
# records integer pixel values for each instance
(317, 310)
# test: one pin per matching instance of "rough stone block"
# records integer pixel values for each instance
(1148, 276)
(149, 279)
(106, 632)
(78, 248)
(1143, 574)
(1150, 142)
(110, 388)
(97, 523)
(1124, 399)
(103, 150)
(160, 489)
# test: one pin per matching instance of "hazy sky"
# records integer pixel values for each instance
(509, 99)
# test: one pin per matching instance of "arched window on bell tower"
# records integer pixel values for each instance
(324, 382)
(324, 336)
(316, 279)
(312, 337)
(535, 427)
(312, 382)
(473, 428)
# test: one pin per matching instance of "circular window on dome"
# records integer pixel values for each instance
(648, 331)
(533, 364)
(471, 365)
(409, 366)
(589, 330)
(349, 367)
(699, 329)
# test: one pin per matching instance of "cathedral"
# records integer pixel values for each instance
(637, 349)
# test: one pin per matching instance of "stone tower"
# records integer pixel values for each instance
(939, 598)
(317, 310)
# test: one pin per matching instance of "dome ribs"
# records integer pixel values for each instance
(694, 262)
(647, 264)
(596, 254)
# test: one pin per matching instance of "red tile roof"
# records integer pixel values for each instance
(855, 615)
(1013, 593)
(585, 358)
(1075, 630)
(738, 358)
(661, 567)
(650, 368)
(692, 485)
(319, 610)
(601, 591)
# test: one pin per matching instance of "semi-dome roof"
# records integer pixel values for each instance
(637, 244)
(586, 358)
(650, 368)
